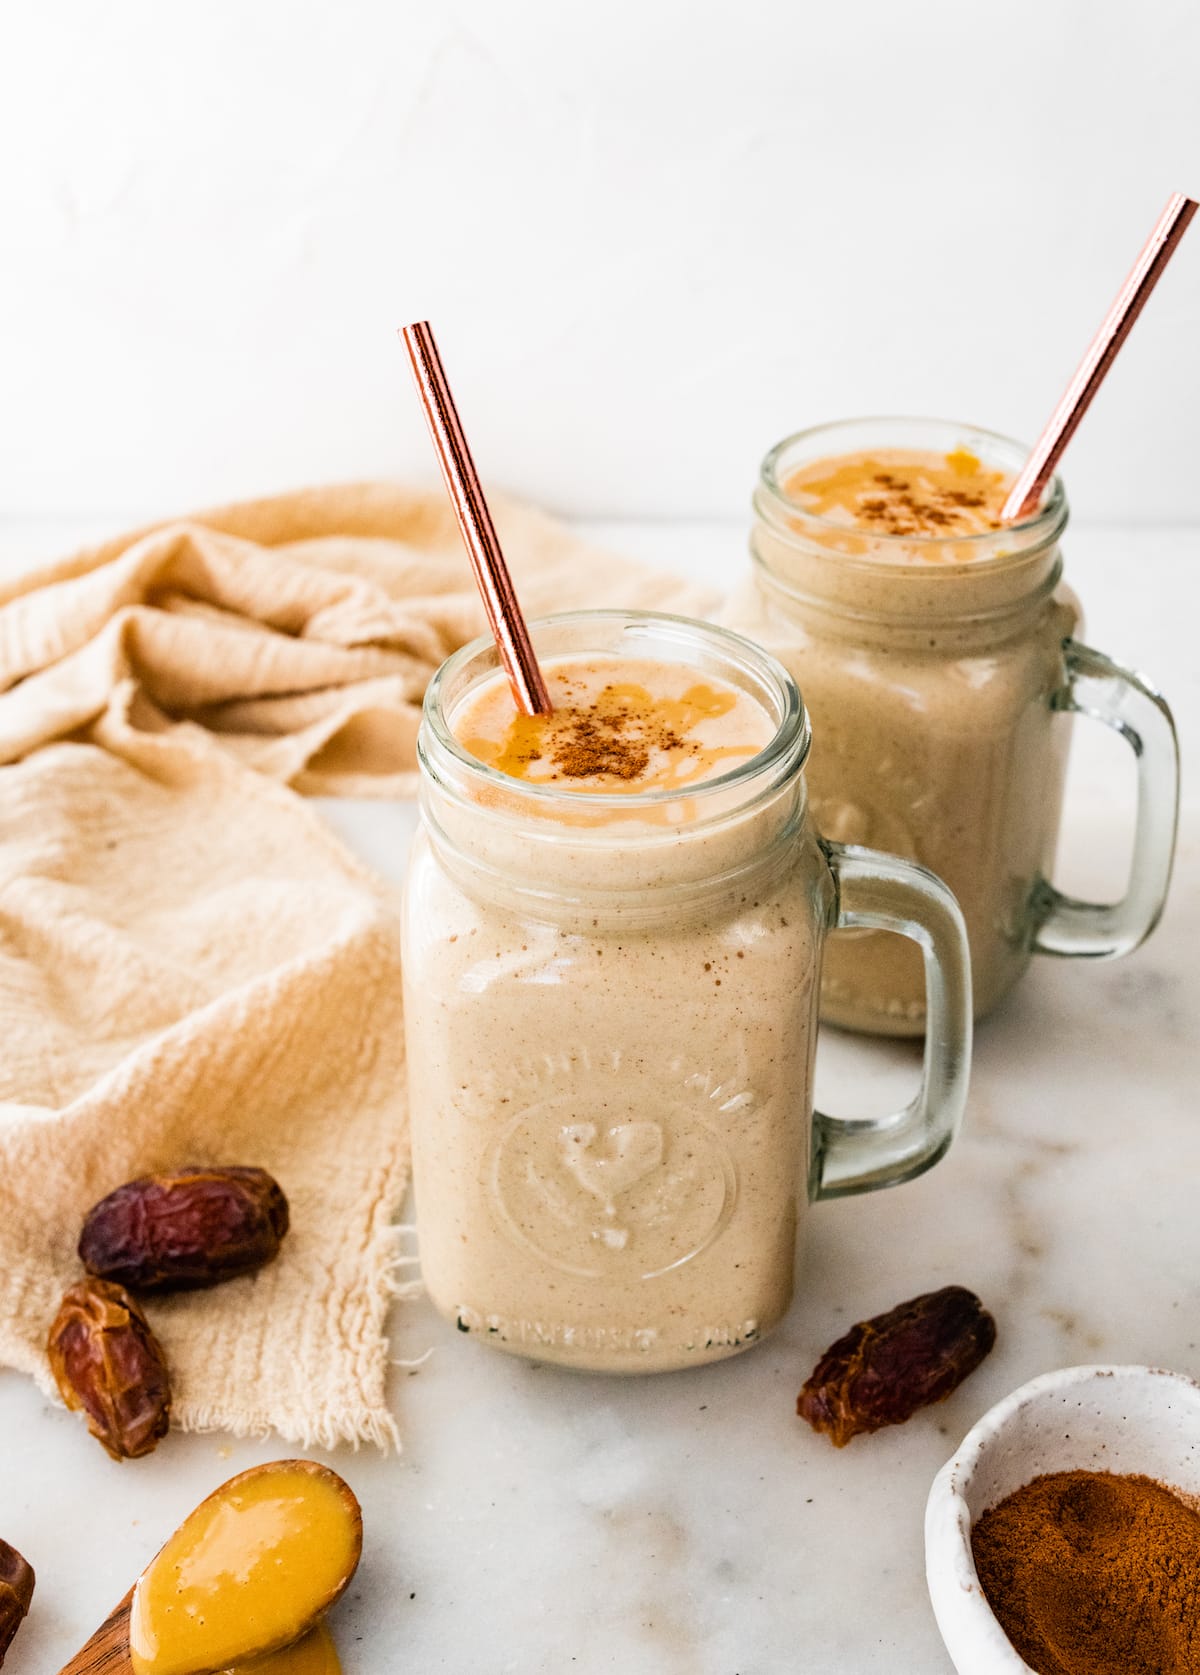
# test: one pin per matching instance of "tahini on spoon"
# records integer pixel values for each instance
(109, 1650)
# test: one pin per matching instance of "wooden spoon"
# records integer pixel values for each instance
(108, 1652)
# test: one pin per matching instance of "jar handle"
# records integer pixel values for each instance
(1122, 700)
(883, 892)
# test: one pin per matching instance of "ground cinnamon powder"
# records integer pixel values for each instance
(915, 494)
(1090, 1573)
(900, 507)
(591, 742)
(612, 736)
(622, 735)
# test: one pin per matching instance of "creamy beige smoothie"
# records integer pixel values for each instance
(612, 950)
(610, 1015)
(927, 640)
(613, 926)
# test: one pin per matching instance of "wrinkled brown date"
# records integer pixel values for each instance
(107, 1361)
(179, 1232)
(16, 1592)
(886, 1368)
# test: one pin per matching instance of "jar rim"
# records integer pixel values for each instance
(1032, 532)
(784, 754)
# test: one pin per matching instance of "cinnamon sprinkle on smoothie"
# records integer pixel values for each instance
(905, 492)
(618, 725)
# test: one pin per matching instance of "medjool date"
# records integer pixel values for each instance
(885, 1368)
(178, 1232)
(16, 1592)
(107, 1362)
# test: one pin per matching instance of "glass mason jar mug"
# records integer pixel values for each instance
(610, 1015)
(933, 669)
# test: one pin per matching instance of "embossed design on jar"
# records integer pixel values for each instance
(598, 1190)
(610, 1167)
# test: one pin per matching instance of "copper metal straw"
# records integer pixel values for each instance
(1026, 493)
(478, 531)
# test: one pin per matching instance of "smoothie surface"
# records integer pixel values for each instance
(907, 492)
(619, 724)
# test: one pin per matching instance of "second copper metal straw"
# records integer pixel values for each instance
(504, 613)
(1026, 493)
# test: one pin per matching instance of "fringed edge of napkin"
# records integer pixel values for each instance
(373, 1423)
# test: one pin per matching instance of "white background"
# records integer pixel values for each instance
(653, 237)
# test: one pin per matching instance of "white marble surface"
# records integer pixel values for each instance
(690, 1524)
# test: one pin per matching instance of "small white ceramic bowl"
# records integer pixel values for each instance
(1118, 1419)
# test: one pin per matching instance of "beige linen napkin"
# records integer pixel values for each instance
(192, 968)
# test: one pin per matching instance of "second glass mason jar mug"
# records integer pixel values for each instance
(610, 1014)
(933, 669)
